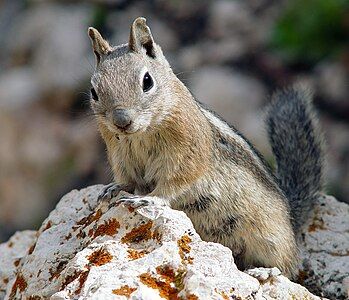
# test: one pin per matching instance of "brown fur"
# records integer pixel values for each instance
(178, 150)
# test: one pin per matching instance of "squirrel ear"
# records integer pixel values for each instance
(100, 46)
(141, 37)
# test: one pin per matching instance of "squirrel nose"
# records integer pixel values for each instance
(121, 118)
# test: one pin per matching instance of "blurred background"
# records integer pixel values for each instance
(231, 54)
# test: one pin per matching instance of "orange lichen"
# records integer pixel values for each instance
(31, 249)
(317, 224)
(48, 225)
(68, 237)
(82, 279)
(192, 297)
(302, 276)
(16, 262)
(157, 235)
(140, 233)
(224, 295)
(34, 297)
(134, 254)
(165, 289)
(166, 273)
(109, 227)
(5, 280)
(81, 234)
(69, 279)
(130, 209)
(90, 232)
(90, 218)
(19, 284)
(56, 273)
(339, 254)
(99, 257)
(124, 291)
(184, 249)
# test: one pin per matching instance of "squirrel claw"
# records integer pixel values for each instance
(263, 274)
(134, 201)
(109, 191)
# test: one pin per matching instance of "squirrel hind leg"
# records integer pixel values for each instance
(281, 253)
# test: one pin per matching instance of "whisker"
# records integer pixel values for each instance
(184, 72)
(93, 114)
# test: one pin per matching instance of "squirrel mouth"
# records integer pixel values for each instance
(129, 131)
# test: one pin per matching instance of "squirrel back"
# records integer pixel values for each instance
(161, 142)
(297, 145)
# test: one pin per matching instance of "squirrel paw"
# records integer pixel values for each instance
(135, 201)
(109, 191)
(263, 274)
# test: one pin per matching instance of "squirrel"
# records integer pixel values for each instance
(162, 142)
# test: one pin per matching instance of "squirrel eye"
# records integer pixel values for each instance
(148, 82)
(94, 94)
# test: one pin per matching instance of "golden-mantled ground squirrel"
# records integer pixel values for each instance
(162, 142)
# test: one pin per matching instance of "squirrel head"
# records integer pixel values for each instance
(131, 84)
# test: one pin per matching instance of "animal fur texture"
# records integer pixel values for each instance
(176, 149)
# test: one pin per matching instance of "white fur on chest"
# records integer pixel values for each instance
(138, 158)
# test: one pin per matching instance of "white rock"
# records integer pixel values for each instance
(332, 81)
(11, 253)
(89, 251)
(215, 52)
(325, 249)
(58, 35)
(237, 20)
(18, 89)
(230, 18)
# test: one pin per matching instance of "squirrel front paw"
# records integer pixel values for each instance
(109, 191)
(263, 274)
(134, 201)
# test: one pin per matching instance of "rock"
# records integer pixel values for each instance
(42, 156)
(243, 22)
(11, 254)
(325, 249)
(86, 250)
(209, 52)
(230, 18)
(18, 89)
(332, 81)
(8, 12)
(337, 142)
(56, 38)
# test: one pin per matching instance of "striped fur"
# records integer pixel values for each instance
(180, 151)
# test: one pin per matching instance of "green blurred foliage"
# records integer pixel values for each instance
(310, 30)
(99, 16)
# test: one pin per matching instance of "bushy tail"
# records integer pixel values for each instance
(297, 145)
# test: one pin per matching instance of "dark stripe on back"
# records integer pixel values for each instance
(201, 204)
(234, 151)
(225, 227)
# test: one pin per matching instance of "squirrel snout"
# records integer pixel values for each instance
(122, 119)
